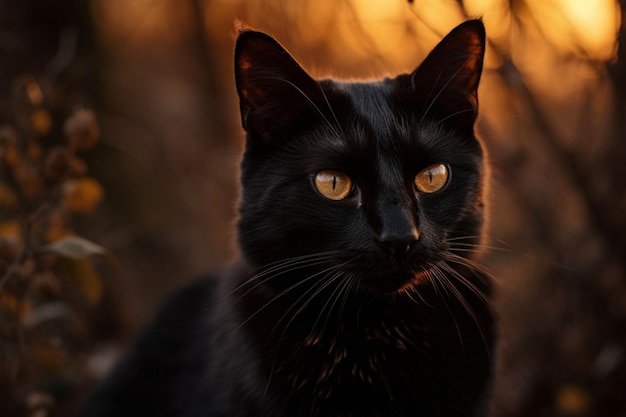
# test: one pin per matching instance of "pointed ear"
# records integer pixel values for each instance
(273, 89)
(449, 76)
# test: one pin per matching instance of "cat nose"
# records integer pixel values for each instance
(398, 230)
(399, 245)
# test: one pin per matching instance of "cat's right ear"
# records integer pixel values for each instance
(450, 74)
(273, 88)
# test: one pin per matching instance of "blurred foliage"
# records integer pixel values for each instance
(47, 279)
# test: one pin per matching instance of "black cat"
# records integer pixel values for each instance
(356, 293)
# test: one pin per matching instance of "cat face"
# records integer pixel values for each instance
(373, 182)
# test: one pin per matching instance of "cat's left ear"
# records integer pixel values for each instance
(273, 88)
(449, 76)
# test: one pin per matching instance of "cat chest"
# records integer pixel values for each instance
(382, 365)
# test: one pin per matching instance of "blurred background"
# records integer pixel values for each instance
(119, 146)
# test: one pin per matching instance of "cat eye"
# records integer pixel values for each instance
(333, 185)
(432, 179)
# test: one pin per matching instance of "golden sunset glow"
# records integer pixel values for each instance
(584, 27)
(370, 37)
(579, 26)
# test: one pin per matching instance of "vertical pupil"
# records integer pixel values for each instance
(334, 181)
(430, 176)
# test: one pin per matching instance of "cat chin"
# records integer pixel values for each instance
(400, 284)
(418, 279)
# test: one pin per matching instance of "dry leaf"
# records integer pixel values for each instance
(83, 195)
(11, 232)
(9, 303)
(81, 275)
(34, 92)
(57, 227)
(74, 247)
(10, 155)
(61, 163)
(8, 199)
(34, 151)
(82, 130)
(41, 122)
(573, 400)
(10, 240)
(29, 180)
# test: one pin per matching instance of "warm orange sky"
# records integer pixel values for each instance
(580, 26)
(558, 46)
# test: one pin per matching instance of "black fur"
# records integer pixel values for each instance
(368, 306)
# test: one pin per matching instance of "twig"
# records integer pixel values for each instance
(14, 265)
(26, 250)
(566, 160)
(66, 53)
(572, 169)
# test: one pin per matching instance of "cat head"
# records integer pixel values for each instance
(372, 181)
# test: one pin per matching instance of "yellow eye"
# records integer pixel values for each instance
(432, 179)
(333, 185)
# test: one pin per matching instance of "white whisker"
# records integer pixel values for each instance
(439, 276)
(283, 292)
(443, 88)
(316, 108)
(467, 283)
